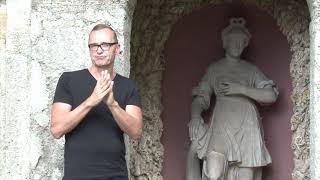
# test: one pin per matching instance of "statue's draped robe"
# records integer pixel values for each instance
(235, 128)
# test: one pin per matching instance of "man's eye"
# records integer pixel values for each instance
(105, 44)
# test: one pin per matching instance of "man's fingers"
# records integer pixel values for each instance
(103, 86)
(104, 76)
(106, 87)
(104, 82)
(107, 75)
(110, 87)
(99, 80)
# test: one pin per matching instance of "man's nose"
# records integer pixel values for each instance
(99, 50)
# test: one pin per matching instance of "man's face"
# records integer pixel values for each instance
(103, 48)
(235, 43)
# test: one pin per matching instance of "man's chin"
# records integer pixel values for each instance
(101, 65)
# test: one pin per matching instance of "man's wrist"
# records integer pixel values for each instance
(114, 104)
(89, 103)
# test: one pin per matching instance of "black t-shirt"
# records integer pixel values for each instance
(95, 149)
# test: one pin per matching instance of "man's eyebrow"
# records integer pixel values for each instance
(97, 43)
(100, 43)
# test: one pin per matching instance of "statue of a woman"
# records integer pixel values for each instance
(232, 145)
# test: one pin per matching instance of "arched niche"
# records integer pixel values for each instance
(195, 43)
(152, 25)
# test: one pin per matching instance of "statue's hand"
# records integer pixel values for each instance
(231, 88)
(194, 127)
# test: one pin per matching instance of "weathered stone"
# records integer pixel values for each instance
(152, 24)
(43, 38)
(50, 37)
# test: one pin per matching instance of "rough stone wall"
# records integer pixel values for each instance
(314, 7)
(3, 27)
(3, 24)
(43, 39)
(152, 24)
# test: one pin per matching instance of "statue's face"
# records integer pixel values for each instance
(235, 43)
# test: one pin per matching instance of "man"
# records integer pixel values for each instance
(232, 146)
(93, 108)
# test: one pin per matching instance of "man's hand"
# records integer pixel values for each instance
(230, 88)
(102, 88)
(109, 98)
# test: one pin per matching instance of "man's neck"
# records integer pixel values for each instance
(96, 71)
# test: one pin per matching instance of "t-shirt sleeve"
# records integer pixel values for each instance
(62, 93)
(134, 97)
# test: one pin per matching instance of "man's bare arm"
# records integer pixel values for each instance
(63, 120)
(129, 120)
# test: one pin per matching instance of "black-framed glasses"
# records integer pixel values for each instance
(105, 46)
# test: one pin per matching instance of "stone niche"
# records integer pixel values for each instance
(152, 25)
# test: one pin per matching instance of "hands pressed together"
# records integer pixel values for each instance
(103, 90)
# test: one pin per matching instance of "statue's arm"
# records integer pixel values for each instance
(196, 123)
(201, 96)
(197, 106)
(264, 92)
(261, 95)
(200, 102)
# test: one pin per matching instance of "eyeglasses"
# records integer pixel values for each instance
(105, 46)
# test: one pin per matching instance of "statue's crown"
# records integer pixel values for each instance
(236, 24)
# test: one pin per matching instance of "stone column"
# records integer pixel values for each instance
(3, 29)
(43, 39)
(17, 149)
(314, 7)
(3, 24)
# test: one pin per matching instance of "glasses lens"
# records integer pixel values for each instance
(93, 47)
(106, 46)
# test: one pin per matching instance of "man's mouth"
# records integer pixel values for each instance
(100, 57)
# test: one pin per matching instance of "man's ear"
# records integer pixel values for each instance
(118, 50)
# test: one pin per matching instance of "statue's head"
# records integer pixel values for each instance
(235, 37)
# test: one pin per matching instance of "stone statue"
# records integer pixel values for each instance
(232, 145)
